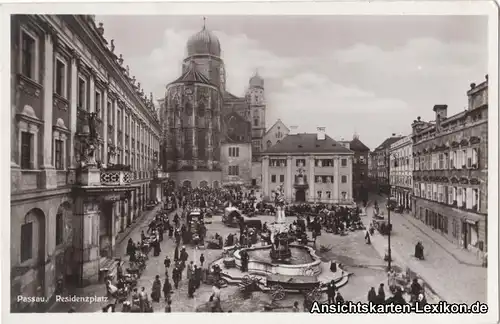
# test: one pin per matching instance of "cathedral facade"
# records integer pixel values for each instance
(196, 106)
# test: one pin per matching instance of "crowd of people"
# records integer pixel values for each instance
(178, 224)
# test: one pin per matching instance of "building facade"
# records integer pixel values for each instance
(311, 167)
(401, 171)
(380, 165)
(193, 111)
(70, 200)
(236, 152)
(451, 171)
(360, 180)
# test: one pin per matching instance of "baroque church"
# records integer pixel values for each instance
(195, 116)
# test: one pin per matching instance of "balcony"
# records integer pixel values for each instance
(115, 177)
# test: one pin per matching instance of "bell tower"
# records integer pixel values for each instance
(256, 100)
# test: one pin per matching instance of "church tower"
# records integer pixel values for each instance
(256, 100)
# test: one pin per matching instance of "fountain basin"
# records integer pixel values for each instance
(304, 261)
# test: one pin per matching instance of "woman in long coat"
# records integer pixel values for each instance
(156, 290)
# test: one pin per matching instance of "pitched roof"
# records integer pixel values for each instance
(193, 75)
(385, 144)
(229, 95)
(307, 143)
(276, 123)
(357, 145)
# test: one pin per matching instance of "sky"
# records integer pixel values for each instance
(370, 75)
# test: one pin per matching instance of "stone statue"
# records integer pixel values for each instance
(133, 80)
(120, 59)
(92, 120)
(112, 46)
(128, 70)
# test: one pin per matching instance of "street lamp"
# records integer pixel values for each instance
(390, 203)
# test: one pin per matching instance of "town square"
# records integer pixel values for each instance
(217, 164)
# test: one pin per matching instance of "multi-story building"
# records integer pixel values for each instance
(360, 180)
(75, 112)
(236, 151)
(451, 171)
(380, 165)
(401, 171)
(311, 167)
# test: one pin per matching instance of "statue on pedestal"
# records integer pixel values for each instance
(89, 141)
(279, 202)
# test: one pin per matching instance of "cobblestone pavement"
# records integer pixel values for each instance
(452, 280)
(358, 258)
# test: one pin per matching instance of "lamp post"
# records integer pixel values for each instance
(389, 207)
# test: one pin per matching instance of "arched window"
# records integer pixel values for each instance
(269, 143)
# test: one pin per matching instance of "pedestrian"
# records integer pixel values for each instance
(166, 262)
(176, 253)
(330, 291)
(156, 290)
(372, 296)
(191, 288)
(176, 276)
(381, 294)
(197, 276)
(167, 289)
(190, 270)
(339, 299)
(295, 308)
(143, 297)
(202, 260)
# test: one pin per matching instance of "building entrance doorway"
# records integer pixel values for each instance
(300, 195)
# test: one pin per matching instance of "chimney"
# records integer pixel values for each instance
(321, 133)
(441, 111)
(417, 125)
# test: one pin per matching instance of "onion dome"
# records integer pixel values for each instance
(256, 81)
(203, 42)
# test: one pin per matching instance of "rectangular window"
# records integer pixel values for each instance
(28, 55)
(273, 178)
(440, 193)
(109, 113)
(58, 155)
(469, 197)
(26, 241)
(300, 162)
(328, 195)
(441, 161)
(98, 104)
(282, 178)
(82, 93)
(318, 194)
(119, 119)
(464, 159)
(343, 162)
(469, 158)
(475, 199)
(234, 170)
(344, 179)
(26, 148)
(60, 78)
